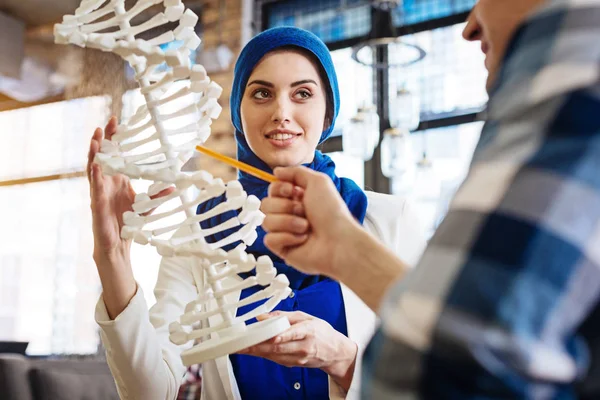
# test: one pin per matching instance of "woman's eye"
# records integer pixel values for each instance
(260, 94)
(303, 94)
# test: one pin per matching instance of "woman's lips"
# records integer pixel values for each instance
(282, 140)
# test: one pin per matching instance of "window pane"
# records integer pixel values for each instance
(450, 151)
(331, 20)
(450, 80)
(48, 280)
(415, 11)
(334, 20)
(356, 86)
(50, 138)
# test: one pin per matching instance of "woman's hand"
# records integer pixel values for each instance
(110, 197)
(310, 342)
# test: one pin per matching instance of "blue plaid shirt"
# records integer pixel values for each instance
(497, 306)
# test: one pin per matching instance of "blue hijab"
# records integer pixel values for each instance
(253, 52)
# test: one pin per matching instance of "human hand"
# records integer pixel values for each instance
(310, 342)
(110, 197)
(307, 222)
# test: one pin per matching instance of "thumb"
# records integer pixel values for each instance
(263, 317)
(299, 176)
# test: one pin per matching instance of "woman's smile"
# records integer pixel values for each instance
(282, 138)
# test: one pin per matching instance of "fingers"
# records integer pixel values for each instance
(111, 128)
(293, 317)
(94, 148)
(295, 333)
(267, 349)
(96, 184)
(263, 317)
(286, 190)
(298, 193)
(162, 193)
(281, 243)
(281, 189)
(277, 205)
(291, 342)
(285, 223)
(109, 131)
(299, 176)
(296, 317)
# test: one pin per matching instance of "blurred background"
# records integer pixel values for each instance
(412, 95)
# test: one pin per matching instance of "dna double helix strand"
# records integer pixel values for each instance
(153, 146)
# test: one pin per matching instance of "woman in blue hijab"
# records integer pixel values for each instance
(284, 103)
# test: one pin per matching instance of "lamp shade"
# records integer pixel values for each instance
(361, 135)
(405, 110)
(396, 153)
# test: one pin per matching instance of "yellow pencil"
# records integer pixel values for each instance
(265, 176)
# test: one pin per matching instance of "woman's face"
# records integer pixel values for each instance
(283, 109)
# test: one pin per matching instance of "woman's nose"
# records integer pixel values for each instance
(281, 113)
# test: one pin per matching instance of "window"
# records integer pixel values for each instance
(355, 82)
(450, 80)
(331, 20)
(415, 11)
(450, 150)
(336, 20)
(48, 281)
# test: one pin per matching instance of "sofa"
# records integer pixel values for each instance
(30, 378)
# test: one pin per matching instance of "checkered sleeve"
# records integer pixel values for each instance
(495, 306)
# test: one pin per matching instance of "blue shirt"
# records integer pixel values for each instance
(506, 293)
(262, 379)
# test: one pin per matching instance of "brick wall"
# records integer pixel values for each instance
(222, 137)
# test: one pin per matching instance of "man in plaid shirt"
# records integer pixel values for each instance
(504, 302)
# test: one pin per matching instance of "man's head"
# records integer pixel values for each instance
(494, 22)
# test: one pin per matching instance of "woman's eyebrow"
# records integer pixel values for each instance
(302, 82)
(269, 84)
(259, 82)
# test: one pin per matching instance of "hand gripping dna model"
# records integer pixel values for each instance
(145, 148)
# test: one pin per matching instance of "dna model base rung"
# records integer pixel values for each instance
(252, 335)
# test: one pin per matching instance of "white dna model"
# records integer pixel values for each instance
(145, 148)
